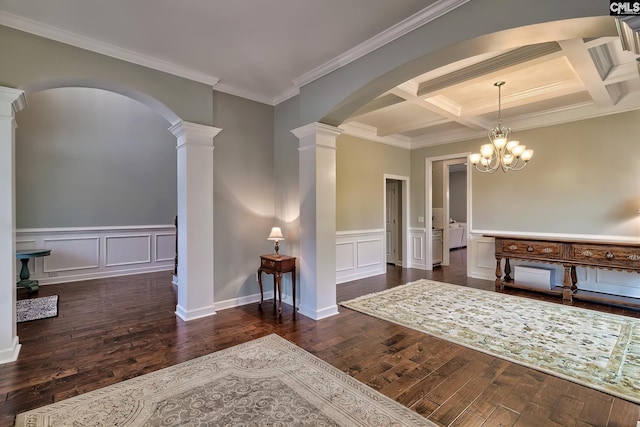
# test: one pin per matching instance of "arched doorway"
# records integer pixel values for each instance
(194, 143)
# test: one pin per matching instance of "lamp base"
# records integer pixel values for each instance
(276, 248)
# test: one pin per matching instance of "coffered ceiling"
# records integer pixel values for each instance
(545, 84)
(267, 50)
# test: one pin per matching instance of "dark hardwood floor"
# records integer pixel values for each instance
(110, 330)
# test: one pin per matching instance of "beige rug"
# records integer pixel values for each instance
(599, 350)
(265, 382)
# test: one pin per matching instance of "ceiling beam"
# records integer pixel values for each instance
(518, 57)
(590, 70)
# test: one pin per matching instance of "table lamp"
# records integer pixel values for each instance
(276, 235)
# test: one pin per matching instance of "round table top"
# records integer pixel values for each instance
(32, 253)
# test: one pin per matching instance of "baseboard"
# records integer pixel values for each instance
(10, 354)
(194, 314)
(318, 314)
(237, 302)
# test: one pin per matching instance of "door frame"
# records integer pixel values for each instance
(404, 233)
(395, 232)
(428, 186)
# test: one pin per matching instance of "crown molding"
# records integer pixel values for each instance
(232, 90)
(416, 20)
(73, 39)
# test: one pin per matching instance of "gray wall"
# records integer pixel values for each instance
(286, 172)
(28, 60)
(458, 196)
(244, 193)
(86, 157)
(360, 185)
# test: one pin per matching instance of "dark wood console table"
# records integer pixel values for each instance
(278, 265)
(570, 254)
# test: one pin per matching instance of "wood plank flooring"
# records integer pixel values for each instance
(110, 330)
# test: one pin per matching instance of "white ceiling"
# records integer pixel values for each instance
(266, 50)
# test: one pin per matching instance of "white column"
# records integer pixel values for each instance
(195, 219)
(317, 219)
(11, 101)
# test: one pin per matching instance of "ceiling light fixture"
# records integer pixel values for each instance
(501, 153)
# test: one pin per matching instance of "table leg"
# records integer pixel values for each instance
(24, 271)
(499, 273)
(507, 271)
(260, 285)
(30, 285)
(293, 286)
(567, 284)
(278, 279)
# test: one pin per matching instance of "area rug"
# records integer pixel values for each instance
(265, 382)
(36, 308)
(595, 349)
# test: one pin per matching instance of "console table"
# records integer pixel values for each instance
(570, 254)
(278, 265)
(24, 256)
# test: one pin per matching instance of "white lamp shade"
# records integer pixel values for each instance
(518, 150)
(276, 234)
(474, 158)
(527, 155)
(512, 144)
(500, 141)
(486, 150)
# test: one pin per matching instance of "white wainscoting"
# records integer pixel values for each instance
(418, 246)
(82, 253)
(481, 257)
(483, 264)
(359, 254)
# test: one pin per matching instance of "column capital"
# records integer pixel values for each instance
(195, 133)
(317, 133)
(11, 101)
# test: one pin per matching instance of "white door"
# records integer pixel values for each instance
(391, 226)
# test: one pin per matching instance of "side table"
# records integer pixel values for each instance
(278, 265)
(24, 256)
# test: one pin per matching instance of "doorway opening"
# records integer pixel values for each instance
(396, 220)
(437, 200)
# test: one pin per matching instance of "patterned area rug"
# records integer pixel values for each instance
(36, 308)
(599, 350)
(265, 382)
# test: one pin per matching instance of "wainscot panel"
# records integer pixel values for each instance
(82, 253)
(359, 254)
(418, 238)
(481, 258)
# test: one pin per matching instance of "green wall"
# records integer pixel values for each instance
(360, 169)
(584, 179)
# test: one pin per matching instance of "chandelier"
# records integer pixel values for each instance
(501, 153)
